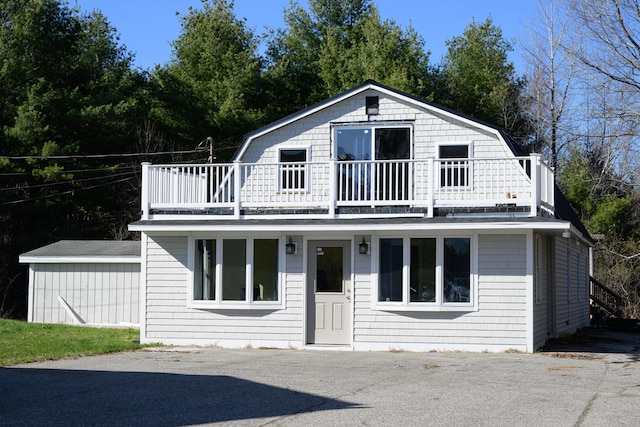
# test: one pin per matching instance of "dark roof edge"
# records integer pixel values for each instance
(513, 145)
(564, 211)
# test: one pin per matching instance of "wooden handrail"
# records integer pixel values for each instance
(605, 297)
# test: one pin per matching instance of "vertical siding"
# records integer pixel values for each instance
(99, 293)
(169, 318)
(499, 322)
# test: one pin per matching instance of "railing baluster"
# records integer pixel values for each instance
(428, 182)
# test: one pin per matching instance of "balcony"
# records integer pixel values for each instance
(523, 185)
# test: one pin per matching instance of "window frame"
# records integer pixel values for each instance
(371, 126)
(248, 303)
(367, 177)
(467, 165)
(439, 305)
(303, 170)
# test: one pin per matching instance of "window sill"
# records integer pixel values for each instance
(236, 305)
(425, 308)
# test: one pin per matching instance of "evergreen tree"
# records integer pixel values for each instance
(481, 80)
(68, 93)
(211, 85)
(339, 44)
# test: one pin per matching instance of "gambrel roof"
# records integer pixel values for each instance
(513, 145)
(563, 210)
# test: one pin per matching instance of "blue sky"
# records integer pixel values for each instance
(147, 27)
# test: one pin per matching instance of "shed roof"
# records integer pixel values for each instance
(107, 250)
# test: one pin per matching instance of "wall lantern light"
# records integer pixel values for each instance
(363, 247)
(290, 247)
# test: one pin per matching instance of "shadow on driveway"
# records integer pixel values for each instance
(598, 340)
(74, 397)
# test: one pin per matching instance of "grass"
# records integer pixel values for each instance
(22, 342)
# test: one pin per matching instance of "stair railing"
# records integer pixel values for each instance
(605, 297)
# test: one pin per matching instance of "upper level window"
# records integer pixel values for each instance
(373, 143)
(454, 166)
(293, 169)
(371, 162)
(236, 270)
(431, 273)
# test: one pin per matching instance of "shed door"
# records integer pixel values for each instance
(329, 293)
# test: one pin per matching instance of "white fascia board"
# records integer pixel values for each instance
(559, 226)
(348, 94)
(78, 260)
(441, 111)
(574, 231)
(295, 117)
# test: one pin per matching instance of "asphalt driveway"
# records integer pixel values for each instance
(593, 382)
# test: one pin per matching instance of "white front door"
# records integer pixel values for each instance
(329, 293)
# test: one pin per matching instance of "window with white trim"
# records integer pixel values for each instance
(236, 271)
(372, 161)
(429, 272)
(454, 164)
(293, 169)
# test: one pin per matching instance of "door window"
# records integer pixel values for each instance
(329, 272)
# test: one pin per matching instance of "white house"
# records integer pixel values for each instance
(84, 282)
(369, 221)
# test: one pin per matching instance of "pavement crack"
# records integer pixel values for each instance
(593, 399)
(586, 410)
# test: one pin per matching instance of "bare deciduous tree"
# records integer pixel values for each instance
(610, 60)
(551, 77)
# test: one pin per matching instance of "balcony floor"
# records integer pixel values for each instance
(497, 211)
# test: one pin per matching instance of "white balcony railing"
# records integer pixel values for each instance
(327, 187)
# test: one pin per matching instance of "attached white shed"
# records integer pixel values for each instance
(84, 282)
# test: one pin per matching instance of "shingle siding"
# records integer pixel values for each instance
(170, 319)
(506, 309)
(572, 312)
(499, 321)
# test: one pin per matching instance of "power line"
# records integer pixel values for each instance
(15, 202)
(95, 156)
(107, 168)
(73, 182)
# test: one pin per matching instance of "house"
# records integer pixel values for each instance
(370, 221)
(84, 282)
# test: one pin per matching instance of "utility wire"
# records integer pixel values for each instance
(15, 202)
(75, 170)
(95, 156)
(74, 182)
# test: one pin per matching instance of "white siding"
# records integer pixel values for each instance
(499, 322)
(541, 304)
(171, 321)
(572, 310)
(105, 294)
(430, 129)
